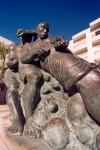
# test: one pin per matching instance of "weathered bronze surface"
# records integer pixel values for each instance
(21, 101)
(59, 97)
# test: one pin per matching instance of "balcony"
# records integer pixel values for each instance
(84, 56)
(97, 53)
(95, 24)
(78, 36)
(80, 46)
(95, 38)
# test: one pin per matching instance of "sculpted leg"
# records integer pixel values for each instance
(31, 94)
(13, 101)
(30, 99)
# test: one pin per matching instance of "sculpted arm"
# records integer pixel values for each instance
(22, 32)
(35, 54)
(61, 44)
(28, 56)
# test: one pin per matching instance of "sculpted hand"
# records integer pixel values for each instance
(61, 41)
(20, 32)
(43, 53)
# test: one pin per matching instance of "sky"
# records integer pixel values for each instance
(65, 17)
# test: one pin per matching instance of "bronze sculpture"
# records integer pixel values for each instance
(61, 120)
(76, 72)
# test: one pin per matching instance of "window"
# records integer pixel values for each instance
(97, 32)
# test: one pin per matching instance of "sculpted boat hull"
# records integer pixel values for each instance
(89, 88)
(76, 75)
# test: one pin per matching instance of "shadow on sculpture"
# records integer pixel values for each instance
(67, 86)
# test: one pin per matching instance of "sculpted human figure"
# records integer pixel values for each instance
(32, 77)
(73, 73)
(13, 96)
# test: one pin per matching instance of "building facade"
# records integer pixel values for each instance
(86, 44)
(5, 41)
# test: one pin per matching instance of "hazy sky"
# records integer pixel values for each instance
(65, 17)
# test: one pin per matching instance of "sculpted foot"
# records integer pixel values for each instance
(30, 131)
(16, 128)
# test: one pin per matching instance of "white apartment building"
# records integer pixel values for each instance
(86, 44)
(5, 41)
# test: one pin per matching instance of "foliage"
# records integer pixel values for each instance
(3, 51)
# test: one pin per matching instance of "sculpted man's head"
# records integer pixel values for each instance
(42, 30)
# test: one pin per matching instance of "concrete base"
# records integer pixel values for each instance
(16, 142)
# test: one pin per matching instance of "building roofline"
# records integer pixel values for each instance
(95, 23)
(2, 39)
